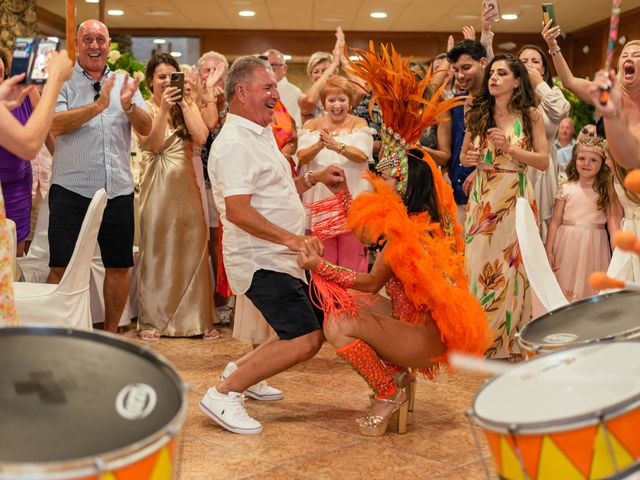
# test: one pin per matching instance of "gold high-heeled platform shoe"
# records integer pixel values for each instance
(373, 425)
(406, 380)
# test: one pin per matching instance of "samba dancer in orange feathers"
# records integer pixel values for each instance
(412, 212)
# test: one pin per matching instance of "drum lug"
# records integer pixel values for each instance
(101, 467)
(607, 438)
(513, 430)
(470, 415)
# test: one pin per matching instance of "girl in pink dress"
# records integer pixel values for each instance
(577, 243)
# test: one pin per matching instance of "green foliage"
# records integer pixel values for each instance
(127, 62)
(581, 113)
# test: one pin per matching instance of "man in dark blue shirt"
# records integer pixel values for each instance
(468, 60)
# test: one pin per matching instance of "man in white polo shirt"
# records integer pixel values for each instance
(264, 221)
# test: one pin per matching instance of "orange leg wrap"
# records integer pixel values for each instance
(365, 361)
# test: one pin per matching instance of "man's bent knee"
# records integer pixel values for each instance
(309, 345)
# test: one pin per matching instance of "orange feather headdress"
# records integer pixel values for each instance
(405, 111)
(405, 115)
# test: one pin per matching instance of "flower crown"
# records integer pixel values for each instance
(594, 145)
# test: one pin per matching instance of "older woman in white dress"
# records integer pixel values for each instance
(340, 138)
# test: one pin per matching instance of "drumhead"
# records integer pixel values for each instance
(613, 315)
(557, 390)
(68, 394)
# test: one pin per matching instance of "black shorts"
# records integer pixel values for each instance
(66, 213)
(283, 302)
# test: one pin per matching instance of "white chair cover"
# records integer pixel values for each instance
(35, 264)
(541, 277)
(35, 269)
(66, 304)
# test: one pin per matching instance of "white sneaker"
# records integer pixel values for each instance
(259, 391)
(228, 411)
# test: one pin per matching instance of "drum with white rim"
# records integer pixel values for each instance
(612, 316)
(572, 414)
(83, 405)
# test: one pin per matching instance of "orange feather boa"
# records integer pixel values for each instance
(427, 262)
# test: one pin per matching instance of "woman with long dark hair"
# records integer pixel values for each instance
(553, 107)
(173, 230)
(505, 136)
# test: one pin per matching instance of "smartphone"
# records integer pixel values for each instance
(45, 48)
(177, 80)
(549, 13)
(22, 56)
(30, 56)
(491, 10)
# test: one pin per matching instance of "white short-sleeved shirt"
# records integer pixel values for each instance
(245, 160)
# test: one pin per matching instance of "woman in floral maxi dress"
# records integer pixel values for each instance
(505, 136)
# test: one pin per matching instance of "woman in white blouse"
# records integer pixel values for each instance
(554, 107)
(343, 139)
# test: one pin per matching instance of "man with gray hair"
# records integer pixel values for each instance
(264, 224)
(289, 93)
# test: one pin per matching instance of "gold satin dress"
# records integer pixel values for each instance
(174, 285)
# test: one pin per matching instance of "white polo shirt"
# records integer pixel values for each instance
(245, 160)
(289, 95)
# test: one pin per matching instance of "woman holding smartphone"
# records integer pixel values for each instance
(174, 284)
(24, 141)
(505, 137)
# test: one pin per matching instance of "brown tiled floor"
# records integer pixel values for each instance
(311, 434)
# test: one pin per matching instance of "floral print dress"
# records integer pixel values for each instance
(492, 254)
(8, 315)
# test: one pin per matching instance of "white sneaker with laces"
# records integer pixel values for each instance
(229, 412)
(259, 391)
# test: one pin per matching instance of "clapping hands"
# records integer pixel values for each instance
(328, 141)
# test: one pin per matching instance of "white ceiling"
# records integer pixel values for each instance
(353, 15)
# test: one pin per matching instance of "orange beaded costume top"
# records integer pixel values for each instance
(426, 256)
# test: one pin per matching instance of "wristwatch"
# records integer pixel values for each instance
(343, 148)
(131, 108)
(307, 179)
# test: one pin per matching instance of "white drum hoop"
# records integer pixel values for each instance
(108, 461)
(553, 426)
(537, 348)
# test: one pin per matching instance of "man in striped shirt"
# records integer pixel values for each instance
(95, 112)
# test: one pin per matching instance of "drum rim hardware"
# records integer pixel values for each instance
(538, 348)
(115, 459)
(567, 423)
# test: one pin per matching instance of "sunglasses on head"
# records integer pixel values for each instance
(97, 87)
(587, 131)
